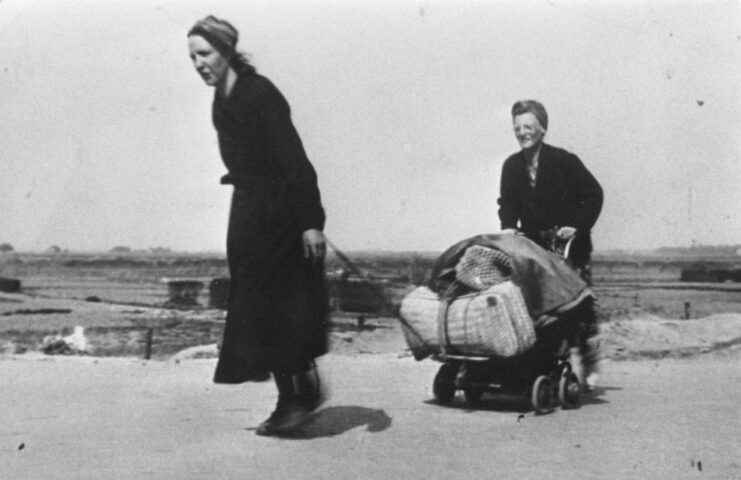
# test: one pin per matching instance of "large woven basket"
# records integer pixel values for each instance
(493, 323)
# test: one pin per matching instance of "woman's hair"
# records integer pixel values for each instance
(223, 37)
(534, 107)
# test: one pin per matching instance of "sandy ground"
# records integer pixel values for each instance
(86, 418)
(668, 407)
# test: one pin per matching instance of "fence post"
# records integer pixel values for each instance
(148, 351)
(686, 310)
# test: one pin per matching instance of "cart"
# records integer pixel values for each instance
(542, 374)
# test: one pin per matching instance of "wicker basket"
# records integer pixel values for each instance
(494, 322)
(480, 267)
(419, 312)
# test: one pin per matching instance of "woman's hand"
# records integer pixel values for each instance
(566, 232)
(315, 246)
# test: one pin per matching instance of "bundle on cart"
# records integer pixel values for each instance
(493, 322)
(487, 297)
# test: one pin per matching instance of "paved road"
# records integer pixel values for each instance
(78, 418)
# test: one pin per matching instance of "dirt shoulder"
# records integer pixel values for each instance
(647, 336)
(121, 330)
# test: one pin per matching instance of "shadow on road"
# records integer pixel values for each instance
(503, 402)
(499, 402)
(333, 421)
(595, 396)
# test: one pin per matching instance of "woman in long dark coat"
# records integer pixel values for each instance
(277, 313)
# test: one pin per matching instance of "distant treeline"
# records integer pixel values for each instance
(380, 262)
(115, 261)
(701, 251)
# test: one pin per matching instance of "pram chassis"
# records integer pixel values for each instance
(541, 374)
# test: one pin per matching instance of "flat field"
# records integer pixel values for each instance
(121, 299)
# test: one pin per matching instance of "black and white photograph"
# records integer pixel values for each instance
(370, 239)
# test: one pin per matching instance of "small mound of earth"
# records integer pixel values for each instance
(648, 336)
(377, 335)
(200, 351)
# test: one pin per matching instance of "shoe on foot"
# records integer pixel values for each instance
(286, 419)
(266, 427)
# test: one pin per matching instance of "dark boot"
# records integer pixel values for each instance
(299, 396)
(287, 400)
(310, 389)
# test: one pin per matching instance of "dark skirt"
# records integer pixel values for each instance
(277, 314)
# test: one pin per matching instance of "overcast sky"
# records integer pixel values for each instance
(403, 107)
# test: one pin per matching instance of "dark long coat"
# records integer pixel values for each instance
(277, 310)
(565, 194)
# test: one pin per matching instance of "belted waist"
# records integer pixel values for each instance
(248, 181)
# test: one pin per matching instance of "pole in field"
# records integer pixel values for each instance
(148, 351)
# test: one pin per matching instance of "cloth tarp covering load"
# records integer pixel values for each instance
(487, 296)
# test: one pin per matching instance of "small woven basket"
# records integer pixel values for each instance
(480, 267)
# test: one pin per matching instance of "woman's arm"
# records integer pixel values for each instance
(587, 192)
(286, 148)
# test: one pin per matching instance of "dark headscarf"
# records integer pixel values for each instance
(223, 37)
(534, 107)
(219, 33)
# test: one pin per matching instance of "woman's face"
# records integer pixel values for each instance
(528, 130)
(209, 63)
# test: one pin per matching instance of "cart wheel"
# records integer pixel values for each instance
(473, 395)
(568, 390)
(444, 385)
(542, 394)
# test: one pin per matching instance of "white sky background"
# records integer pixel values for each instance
(403, 107)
